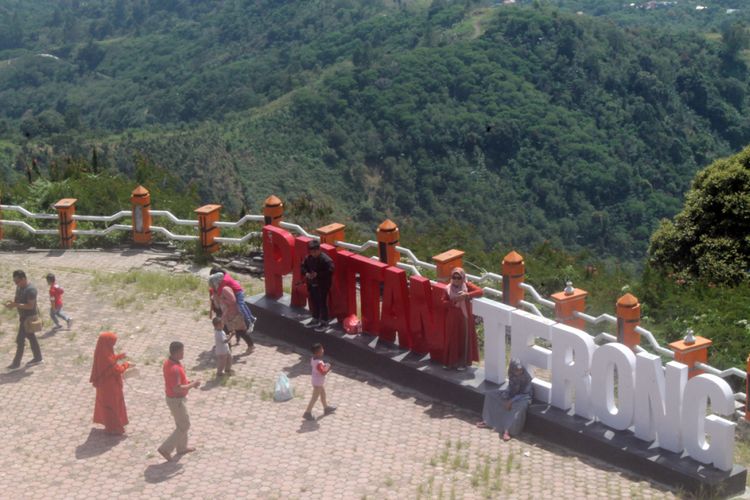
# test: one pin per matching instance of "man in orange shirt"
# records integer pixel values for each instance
(176, 387)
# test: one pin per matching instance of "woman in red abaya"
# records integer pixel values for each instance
(106, 376)
(460, 335)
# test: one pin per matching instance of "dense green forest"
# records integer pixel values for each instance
(527, 122)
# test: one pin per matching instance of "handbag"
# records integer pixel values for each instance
(33, 324)
(237, 323)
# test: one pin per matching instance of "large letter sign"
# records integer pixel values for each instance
(658, 404)
(420, 313)
(278, 250)
(606, 360)
(395, 310)
(525, 329)
(496, 318)
(370, 278)
(608, 383)
(299, 285)
(572, 351)
(696, 424)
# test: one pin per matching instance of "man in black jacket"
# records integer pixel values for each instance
(318, 270)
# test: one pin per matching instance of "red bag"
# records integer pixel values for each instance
(352, 324)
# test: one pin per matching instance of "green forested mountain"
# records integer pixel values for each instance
(528, 122)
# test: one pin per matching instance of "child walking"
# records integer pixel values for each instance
(221, 350)
(319, 371)
(56, 303)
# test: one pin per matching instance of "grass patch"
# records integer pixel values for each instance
(742, 453)
(238, 382)
(140, 286)
(81, 359)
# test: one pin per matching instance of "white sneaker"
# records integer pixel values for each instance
(314, 323)
(69, 321)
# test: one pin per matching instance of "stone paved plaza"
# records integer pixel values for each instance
(383, 442)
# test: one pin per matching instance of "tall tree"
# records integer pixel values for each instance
(710, 237)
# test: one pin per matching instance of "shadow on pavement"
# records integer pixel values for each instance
(205, 361)
(158, 473)
(97, 443)
(14, 376)
(308, 426)
(210, 384)
(51, 332)
(302, 367)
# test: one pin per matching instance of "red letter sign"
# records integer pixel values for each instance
(299, 286)
(395, 312)
(436, 338)
(420, 313)
(278, 250)
(370, 277)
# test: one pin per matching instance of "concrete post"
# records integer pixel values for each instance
(388, 237)
(514, 270)
(446, 261)
(207, 216)
(628, 317)
(331, 233)
(273, 211)
(66, 209)
(140, 202)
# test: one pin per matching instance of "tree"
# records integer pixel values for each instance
(736, 38)
(710, 237)
(90, 56)
(11, 33)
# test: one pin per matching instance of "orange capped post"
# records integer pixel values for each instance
(514, 270)
(690, 350)
(66, 209)
(388, 236)
(446, 261)
(747, 389)
(331, 233)
(140, 201)
(567, 303)
(628, 317)
(273, 211)
(207, 217)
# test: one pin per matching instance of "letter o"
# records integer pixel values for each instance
(606, 358)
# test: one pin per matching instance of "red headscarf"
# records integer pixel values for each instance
(104, 356)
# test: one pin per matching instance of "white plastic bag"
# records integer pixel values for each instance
(283, 389)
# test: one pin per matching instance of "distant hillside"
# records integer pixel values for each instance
(526, 122)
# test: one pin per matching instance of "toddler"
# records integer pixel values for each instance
(221, 348)
(55, 302)
(319, 371)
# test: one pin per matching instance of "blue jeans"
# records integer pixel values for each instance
(244, 309)
(54, 313)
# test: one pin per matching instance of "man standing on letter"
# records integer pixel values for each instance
(318, 270)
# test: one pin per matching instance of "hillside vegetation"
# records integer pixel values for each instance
(524, 122)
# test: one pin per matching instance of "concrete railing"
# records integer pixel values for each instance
(566, 306)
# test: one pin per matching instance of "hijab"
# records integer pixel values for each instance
(104, 357)
(215, 280)
(518, 383)
(454, 290)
